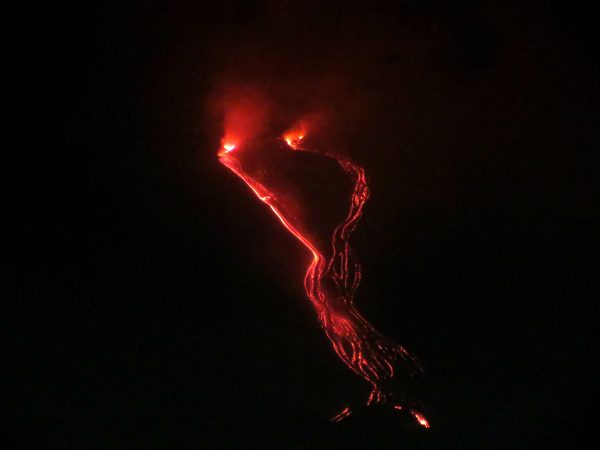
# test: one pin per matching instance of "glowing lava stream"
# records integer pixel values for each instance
(358, 344)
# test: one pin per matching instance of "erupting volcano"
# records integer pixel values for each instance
(334, 273)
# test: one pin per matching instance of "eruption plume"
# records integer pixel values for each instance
(333, 274)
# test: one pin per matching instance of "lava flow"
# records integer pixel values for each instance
(331, 281)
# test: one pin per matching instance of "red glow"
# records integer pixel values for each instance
(245, 116)
(341, 415)
(358, 344)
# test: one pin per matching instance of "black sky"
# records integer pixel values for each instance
(159, 305)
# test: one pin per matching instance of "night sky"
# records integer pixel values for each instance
(159, 304)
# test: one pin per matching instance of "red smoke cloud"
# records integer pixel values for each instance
(245, 116)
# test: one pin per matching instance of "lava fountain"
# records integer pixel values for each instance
(333, 274)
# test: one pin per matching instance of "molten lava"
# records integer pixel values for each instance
(331, 281)
(294, 138)
(227, 146)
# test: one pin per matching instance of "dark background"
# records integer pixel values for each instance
(159, 305)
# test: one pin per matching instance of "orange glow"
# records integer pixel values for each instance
(293, 138)
(227, 147)
(421, 419)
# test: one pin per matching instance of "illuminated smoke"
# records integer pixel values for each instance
(330, 282)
